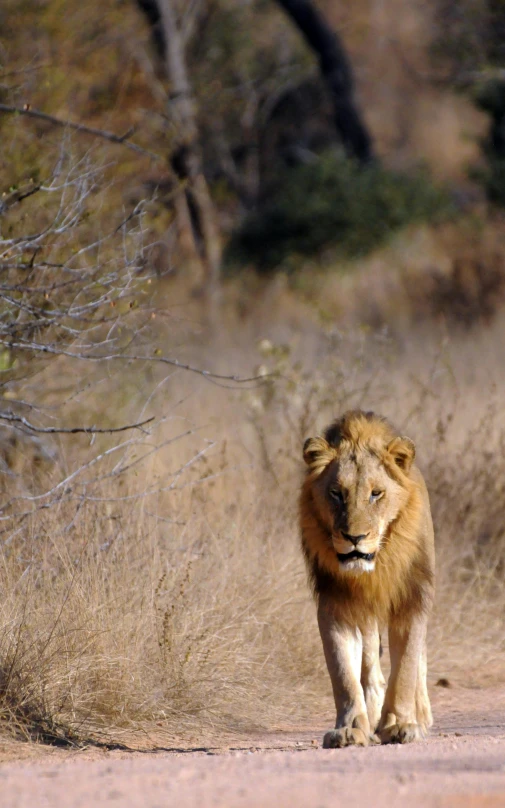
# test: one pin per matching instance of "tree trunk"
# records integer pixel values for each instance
(196, 216)
(337, 73)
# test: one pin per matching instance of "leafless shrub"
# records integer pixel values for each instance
(82, 421)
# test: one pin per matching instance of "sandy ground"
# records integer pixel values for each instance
(461, 764)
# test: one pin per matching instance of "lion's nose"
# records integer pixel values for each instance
(355, 539)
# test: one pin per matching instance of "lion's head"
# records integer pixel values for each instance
(359, 480)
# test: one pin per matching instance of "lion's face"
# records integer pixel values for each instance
(358, 494)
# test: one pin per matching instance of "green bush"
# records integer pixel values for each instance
(332, 202)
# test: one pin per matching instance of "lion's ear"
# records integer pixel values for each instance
(403, 452)
(313, 448)
(317, 454)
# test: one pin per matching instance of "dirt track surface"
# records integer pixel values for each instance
(462, 764)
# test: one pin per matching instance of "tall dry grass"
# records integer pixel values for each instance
(133, 618)
(177, 601)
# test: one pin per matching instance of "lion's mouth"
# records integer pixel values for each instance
(354, 554)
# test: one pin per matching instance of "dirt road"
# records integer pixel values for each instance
(462, 764)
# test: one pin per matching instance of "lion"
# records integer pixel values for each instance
(367, 538)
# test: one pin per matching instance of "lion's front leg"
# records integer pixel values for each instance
(343, 652)
(423, 706)
(399, 721)
(372, 679)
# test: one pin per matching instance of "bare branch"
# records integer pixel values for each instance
(79, 127)
(165, 360)
(9, 200)
(53, 430)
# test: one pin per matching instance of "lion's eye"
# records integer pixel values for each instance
(336, 495)
(376, 494)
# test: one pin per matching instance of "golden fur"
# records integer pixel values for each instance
(367, 538)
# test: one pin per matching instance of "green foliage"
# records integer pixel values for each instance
(333, 203)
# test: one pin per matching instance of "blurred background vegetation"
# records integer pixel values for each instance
(241, 110)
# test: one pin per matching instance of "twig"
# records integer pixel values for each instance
(53, 430)
(65, 482)
(79, 127)
(52, 349)
(17, 196)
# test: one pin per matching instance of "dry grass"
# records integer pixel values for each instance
(188, 608)
(127, 619)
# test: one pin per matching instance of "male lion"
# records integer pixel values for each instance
(367, 537)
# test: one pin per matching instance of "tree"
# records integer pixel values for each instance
(337, 73)
(196, 218)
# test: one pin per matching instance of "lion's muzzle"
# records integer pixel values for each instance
(355, 554)
(355, 539)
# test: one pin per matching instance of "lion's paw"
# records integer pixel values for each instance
(401, 733)
(345, 736)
